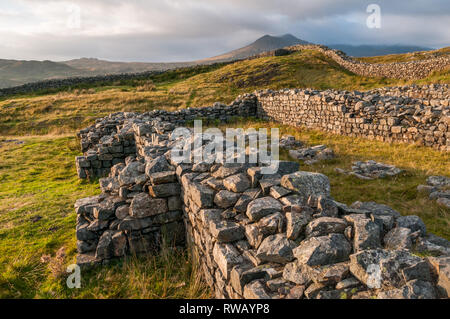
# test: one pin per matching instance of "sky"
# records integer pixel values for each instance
(184, 30)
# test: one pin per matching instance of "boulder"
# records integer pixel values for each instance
(412, 222)
(296, 222)
(226, 199)
(367, 234)
(379, 268)
(156, 165)
(414, 289)
(143, 205)
(276, 248)
(237, 183)
(399, 238)
(307, 184)
(226, 256)
(323, 250)
(325, 225)
(261, 207)
(375, 209)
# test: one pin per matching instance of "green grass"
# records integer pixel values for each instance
(38, 187)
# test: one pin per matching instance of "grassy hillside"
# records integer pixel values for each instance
(68, 110)
(13, 72)
(38, 183)
(414, 56)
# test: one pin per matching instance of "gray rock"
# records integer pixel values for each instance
(163, 177)
(107, 208)
(245, 273)
(367, 234)
(438, 181)
(307, 184)
(237, 183)
(327, 207)
(348, 283)
(119, 242)
(441, 268)
(165, 190)
(444, 202)
(86, 246)
(399, 238)
(246, 198)
(255, 290)
(226, 231)
(383, 268)
(130, 173)
(226, 199)
(271, 224)
(414, 289)
(261, 207)
(276, 248)
(412, 222)
(105, 246)
(226, 256)
(202, 195)
(325, 225)
(174, 203)
(323, 250)
(130, 223)
(159, 164)
(143, 205)
(83, 233)
(297, 273)
(253, 235)
(296, 222)
(278, 191)
(122, 211)
(374, 208)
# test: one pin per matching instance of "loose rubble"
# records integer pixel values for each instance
(438, 189)
(371, 170)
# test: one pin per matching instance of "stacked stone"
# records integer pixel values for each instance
(138, 211)
(361, 114)
(287, 238)
(110, 150)
(259, 236)
(103, 149)
(402, 70)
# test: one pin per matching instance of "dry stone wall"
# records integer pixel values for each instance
(401, 70)
(383, 114)
(112, 138)
(254, 235)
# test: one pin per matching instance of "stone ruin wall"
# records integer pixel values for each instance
(255, 236)
(413, 114)
(409, 114)
(400, 70)
(111, 139)
(252, 235)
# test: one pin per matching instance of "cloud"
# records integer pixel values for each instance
(174, 30)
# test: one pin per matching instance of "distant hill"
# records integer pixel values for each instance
(99, 67)
(16, 72)
(263, 44)
(376, 50)
(13, 72)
